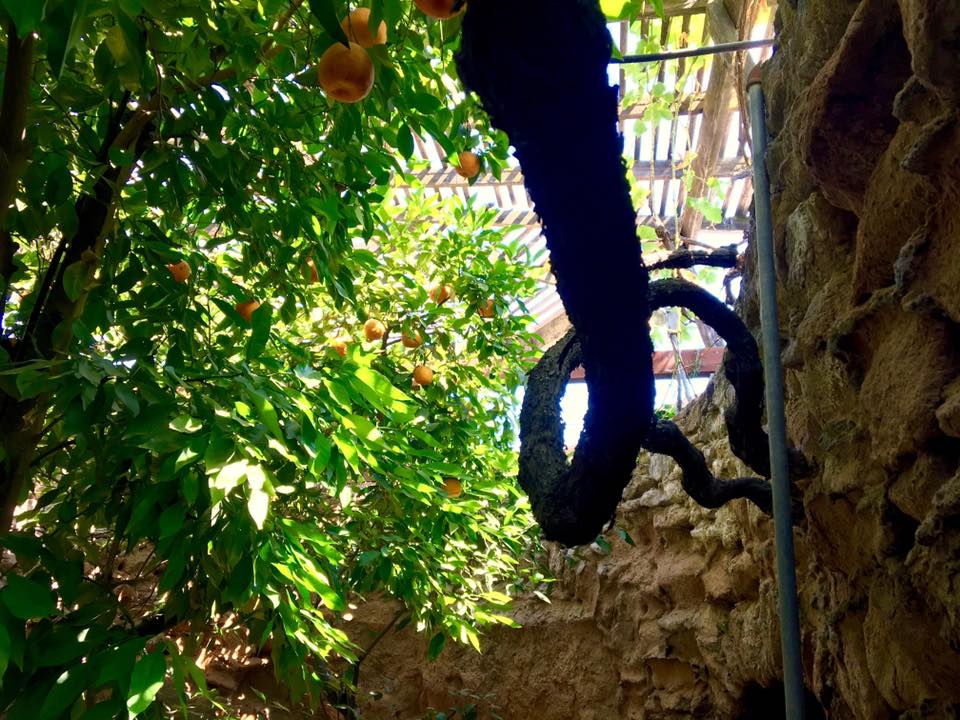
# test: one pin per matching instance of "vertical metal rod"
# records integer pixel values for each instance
(773, 376)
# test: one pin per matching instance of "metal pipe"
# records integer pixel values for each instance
(776, 422)
(694, 52)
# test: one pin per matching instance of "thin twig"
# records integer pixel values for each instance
(50, 451)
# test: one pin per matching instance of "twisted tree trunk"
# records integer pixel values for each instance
(540, 69)
(549, 91)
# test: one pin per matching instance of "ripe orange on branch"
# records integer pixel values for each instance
(373, 329)
(340, 346)
(411, 341)
(180, 271)
(246, 309)
(441, 293)
(486, 310)
(468, 165)
(452, 486)
(440, 9)
(346, 74)
(423, 375)
(356, 26)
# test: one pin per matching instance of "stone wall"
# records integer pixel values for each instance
(678, 624)
(863, 103)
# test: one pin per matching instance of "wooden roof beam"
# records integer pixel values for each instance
(662, 170)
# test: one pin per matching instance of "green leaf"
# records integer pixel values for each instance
(65, 691)
(268, 415)
(31, 382)
(261, 320)
(117, 42)
(185, 424)
(436, 646)
(27, 599)
(258, 500)
(368, 557)
(6, 649)
(26, 14)
(171, 521)
(326, 14)
(497, 598)
(404, 140)
(62, 28)
(121, 156)
(425, 102)
(645, 232)
(612, 8)
(145, 682)
(712, 213)
(322, 447)
(114, 665)
(258, 504)
(75, 279)
(382, 394)
(125, 396)
(230, 475)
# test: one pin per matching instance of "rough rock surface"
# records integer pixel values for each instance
(864, 110)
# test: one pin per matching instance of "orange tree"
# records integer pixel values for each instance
(193, 235)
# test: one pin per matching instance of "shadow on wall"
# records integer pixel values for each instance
(766, 703)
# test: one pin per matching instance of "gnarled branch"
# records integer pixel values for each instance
(541, 435)
(725, 257)
(550, 94)
(697, 480)
(741, 366)
(552, 98)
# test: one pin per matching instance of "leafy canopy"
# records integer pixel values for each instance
(190, 464)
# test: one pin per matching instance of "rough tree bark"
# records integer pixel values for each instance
(13, 151)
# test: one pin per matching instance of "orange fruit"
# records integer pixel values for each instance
(423, 375)
(441, 293)
(374, 329)
(345, 74)
(340, 345)
(486, 310)
(411, 341)
(453, 487)
(441, 9)
(468, 165)
(180, 271)
(246, 309)
(357, 28)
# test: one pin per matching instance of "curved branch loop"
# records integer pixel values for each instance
(542, 455)
(741, 366)
(550, 93)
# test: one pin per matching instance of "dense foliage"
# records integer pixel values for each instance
(195, 424)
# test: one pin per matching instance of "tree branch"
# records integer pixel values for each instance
(741, 366)
(13, 152)
(725, 257)
(582, 197)
(697, 480)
